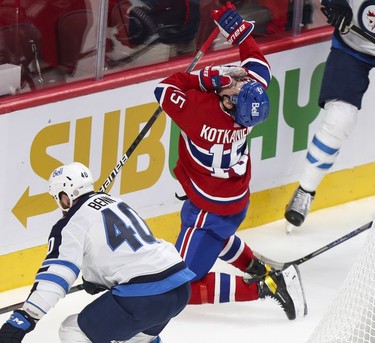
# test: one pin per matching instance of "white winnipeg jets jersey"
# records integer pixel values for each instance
(364, 18)
(108, 242)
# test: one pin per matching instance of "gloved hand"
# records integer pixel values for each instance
(92, 288)
(339, 14)
(211, 78)
(231, 24)
(16, 327)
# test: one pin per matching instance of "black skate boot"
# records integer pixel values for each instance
(299, 206)
(256, 270)
(285, 287)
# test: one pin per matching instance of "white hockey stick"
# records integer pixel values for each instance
(283, 265)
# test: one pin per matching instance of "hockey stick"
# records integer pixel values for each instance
(283, 265)
(156, 115)
(19, 305)
(362, 33)
(140, 136)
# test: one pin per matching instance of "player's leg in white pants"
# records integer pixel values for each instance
(70, 332)
(339, 120)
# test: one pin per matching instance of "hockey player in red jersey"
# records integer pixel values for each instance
(216, 110)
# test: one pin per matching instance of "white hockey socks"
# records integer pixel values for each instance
(338, 123)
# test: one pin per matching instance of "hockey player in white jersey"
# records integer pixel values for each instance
(345, 81)
(144, 279)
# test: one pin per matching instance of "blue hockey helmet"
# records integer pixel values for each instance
(252, 104)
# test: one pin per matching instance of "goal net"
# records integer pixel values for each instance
(351, 317)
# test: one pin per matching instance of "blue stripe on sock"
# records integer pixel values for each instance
(224, 288)
(314, 161)
(325, 148)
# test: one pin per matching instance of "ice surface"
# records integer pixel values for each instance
(257, 321)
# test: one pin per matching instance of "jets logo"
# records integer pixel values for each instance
(366, 16)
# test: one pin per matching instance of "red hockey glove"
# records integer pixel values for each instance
(339, 14)
(212, 78)
(231, 24)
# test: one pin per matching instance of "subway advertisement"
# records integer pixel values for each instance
(97, 130)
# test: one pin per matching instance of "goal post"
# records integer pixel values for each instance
(351, 317)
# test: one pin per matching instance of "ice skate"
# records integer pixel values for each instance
(298, 207)
(285, 287)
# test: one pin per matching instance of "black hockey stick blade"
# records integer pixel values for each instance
(14, 307)
(283, 265)
(362, 33)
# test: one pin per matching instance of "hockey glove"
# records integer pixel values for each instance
(16, 327)
(212, 78)
(231, 24)
(92, 288)
(339, 14)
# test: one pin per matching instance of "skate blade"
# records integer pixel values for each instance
(289, 228)
(294, 286)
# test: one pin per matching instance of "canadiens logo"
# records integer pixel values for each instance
(366, 16)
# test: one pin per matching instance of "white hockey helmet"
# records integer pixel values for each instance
(74, 179)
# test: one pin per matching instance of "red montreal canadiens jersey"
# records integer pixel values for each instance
(214, 162)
